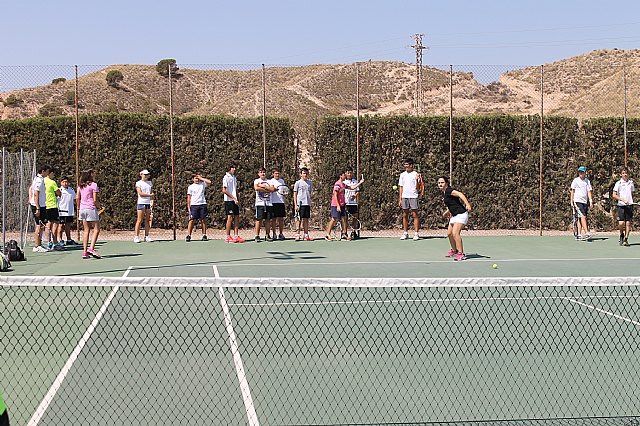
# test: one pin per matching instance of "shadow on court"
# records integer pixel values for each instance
(293, 255)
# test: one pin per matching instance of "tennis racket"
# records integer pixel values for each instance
(151, 213)
(355, 224)
(419, 181)
(295, 221)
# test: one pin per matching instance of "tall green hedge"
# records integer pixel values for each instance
(496, 163)
(118, 146)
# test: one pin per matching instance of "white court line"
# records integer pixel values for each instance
(216, 273)
(57, 383)
(595, 308)
(126, 273)
(237, 361)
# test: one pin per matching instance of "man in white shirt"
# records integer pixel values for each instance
(67, 210)
(231, 204)
(143, 206)
(581, 200)
(38, 201)
(197, 205)
(263, 204)
(623, 193)
(410, 186)
(277, 203)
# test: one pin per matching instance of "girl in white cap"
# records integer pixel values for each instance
(581, 200)
(145, 196)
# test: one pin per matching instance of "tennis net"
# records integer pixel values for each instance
(320, 351)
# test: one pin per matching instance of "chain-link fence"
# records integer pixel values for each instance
(586, 87)
(291, 351)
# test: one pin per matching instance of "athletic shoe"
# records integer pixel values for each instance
(85, 255)
(329, 238)
(347, 238)
(94, 253)
(452, 253)
(578, 237)
(460, 256)
(268, 238)
(405, 235)
(588, 236)
(204, 238)
(229, 239)
(307, 237)
(297, 237)
(188, 238)
(281, 237)
(583, 238)
(416, 237)
(626, 242)
(238, 239)
(71, 243)
(148, 240)
(136, 239)
(58, 247)
(40, 249)
(621, 240)
(354, 235)
(50, 245)
(257, 239)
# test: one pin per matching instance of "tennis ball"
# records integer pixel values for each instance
(495, 266)
(395, 187)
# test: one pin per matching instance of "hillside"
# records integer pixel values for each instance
(589, 85)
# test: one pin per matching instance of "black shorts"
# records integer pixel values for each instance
(583, 208)
(264, 212)
(4, 419)
(625, 213)
(278, 210)
(352, 208)
(67, 219)
(43, 215)
(198, 211)
(231, 208)
(305, 212)
(53, 215)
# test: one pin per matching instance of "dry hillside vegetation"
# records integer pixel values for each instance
(589, 85)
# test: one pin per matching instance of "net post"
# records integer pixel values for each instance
(264, 118)
(173, 174)
(21, 203)
(77, 150)
(451, 124)
(357, 120)
(4, 213)
(541, 139)
(624, 84)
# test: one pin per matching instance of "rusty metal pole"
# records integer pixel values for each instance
(77, 153)
(541, 137)
(173, 162)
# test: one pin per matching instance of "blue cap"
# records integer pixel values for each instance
(582, 169)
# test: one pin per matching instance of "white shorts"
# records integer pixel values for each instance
(462, 218)
(90, 215)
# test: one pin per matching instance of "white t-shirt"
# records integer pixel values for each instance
(581, 190)
(196, 190)
(66, 202)
(409, 184)
(145, 187)
(303, 189)
(262, 198)
(229, 181)
(350, 194)
(624, 190)
(38, 185)
(276, 197)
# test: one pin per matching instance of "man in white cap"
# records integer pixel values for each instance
(581, 200)
(145, 196)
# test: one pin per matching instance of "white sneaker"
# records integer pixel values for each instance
(136, 239)
(405, 235)
(148, 240)
(416, 237)
(40, 249)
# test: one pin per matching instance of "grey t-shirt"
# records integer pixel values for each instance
(303, 190)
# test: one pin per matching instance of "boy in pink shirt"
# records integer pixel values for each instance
(338, 209)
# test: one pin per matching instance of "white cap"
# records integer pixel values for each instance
(145, 172)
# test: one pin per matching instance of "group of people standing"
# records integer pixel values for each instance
(54, 210)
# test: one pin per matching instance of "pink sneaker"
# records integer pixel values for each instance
(238, 239)
(308, 238)
(297, 237)
(94, 253)
(460, 256)
(452, 253)
(229, 239)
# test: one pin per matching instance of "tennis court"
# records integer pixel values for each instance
(376, 331)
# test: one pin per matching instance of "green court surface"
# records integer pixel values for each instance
(515, 256)
(321, 348)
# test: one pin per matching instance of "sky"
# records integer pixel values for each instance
(273, 32)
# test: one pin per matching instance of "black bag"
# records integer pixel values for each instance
(13, 251)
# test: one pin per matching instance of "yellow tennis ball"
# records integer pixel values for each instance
(395, 187)
(495, 266)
